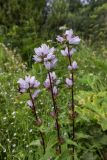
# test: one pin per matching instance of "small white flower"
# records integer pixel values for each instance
(30, 130)
(14, 145)
(30, 151)
(14, 134)
(13, 113)
(4, 150)
(27, 146)
(4, 118)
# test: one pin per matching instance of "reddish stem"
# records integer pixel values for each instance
(56, 113)
(34, 110)
(73, 106)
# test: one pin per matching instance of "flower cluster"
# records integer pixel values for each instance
(29, 83)
(69, 81)
(68, 37)
(45, 55)
(52, 82)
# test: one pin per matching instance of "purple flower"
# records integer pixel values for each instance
(66, 52)
(54, 80)
(50, 64)
(23, 86)
(30, 104)
(42, 53)
(28, 82)
(46, 55)
(71, 38)
(60, 39)
(55, 91)
(69, 82)
(69, 33)
(74, 40)
(47, 83)
(35, 94)
(74, 65)
(70, 67)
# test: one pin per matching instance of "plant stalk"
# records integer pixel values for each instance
(56, 114)
(72, 104)
(35, 113)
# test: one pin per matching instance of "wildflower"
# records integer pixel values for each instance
(4, 118)
(28, 82)
(69, 38)
(54, 80)
(35, 94)
(14, 134)
(60, 39)
(30, 151)
(66, 52)
(42, 52)
(74, 40)
(14, 145)
(13, 113)
(50, 64)
(69, 33)
(27, 146)
(46, 55)
(70, 67)
(74, 65)
(30, 130)
(55, 90)
(30, 104)
(69, 82)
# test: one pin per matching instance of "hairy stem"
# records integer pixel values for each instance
(34, 110)
(56, 113)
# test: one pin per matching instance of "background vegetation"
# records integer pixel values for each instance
(24, 26)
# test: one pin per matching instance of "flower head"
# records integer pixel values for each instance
(69, 82)
(35, 94)
(28, 82)
(46, 55)
(74, 65)
(67, 52)
(60, 39)
(55, 91)
(30, 104)
(69, 38)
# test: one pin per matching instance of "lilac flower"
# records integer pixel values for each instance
(54, 80)
(74, 65)
(74, 40)
(69, 37)
(23, 86)
(50, 64)
(66, 52)
(55, 90)
(28, 82)
(46, 55)
(47, 83)
(70, 67)
(43, 52)
(69, 82)
(35, 94)
(60, 39)
(69, 33)
(30, 104)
